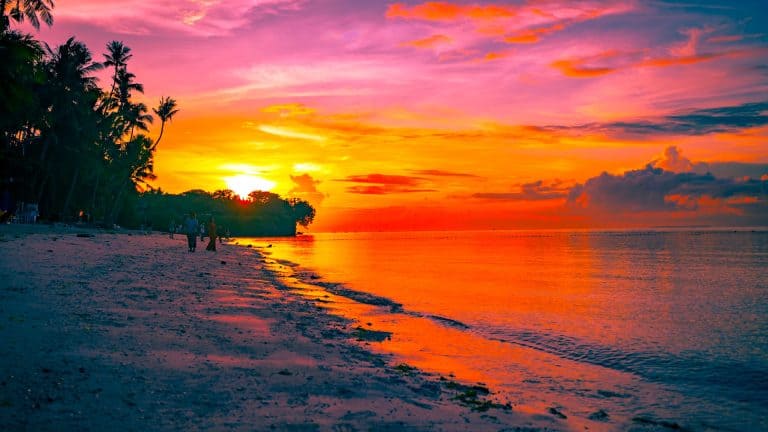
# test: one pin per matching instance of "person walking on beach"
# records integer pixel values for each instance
(191, 228)
(172, 228)
(211, 235)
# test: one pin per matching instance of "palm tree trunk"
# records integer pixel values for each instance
(154, 146)
(95, 189)
(41, 189)
(117, 206)
(65, 209)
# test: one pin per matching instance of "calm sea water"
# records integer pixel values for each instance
(667, 326)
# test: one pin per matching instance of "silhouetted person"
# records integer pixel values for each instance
(172, 228)
(191, 227)
(211, 235)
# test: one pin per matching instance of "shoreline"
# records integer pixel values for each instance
(131, 328)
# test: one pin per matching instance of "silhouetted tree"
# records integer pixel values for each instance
(31, 10)
(303, 212)
(165, 111)
(117, 57)
(75, 147)
(69, 131)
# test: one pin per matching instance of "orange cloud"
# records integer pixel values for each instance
(494, 56)
(289, 110)
(382, 184)
(584, 67)
(675, 61)
(443, 11)
(532, 35)
(430, 42)
(306, 187)
(576, 69)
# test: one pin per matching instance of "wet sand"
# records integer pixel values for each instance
(128, 331)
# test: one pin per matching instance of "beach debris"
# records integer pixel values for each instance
(86, 235)
(652, 422)
(406, 369)
(223, 262)
(599, 415)
(557, 413)
(285, 372)
(429, 389)
(471, 396)
(610, 394)
(363, 334)
(358, 415)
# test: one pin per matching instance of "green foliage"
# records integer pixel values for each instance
(82, 152)
(267, 215)
(66, 144)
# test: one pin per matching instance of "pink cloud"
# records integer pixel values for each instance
(195, 17)
(445, 11)
(430, 42)
(525, 23)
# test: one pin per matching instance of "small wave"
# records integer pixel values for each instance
(732, 379)
(339, 289)
(358, 296)
(448, 321)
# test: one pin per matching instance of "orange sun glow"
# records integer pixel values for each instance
(244, 184)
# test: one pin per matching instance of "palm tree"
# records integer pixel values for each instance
(136, 116)
(166, 110)
(117, 56)
(71, 65)
(20, 110)
(20, 75)
(32, 10)
(70, 121)
(125, 85)
(137, 166)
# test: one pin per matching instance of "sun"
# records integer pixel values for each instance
(244, 184)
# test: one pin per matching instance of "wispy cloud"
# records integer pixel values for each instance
(525, 23)
(687, 52)
(284, 132)
(446, 11)
(383, 184)
(534, 191)
(430, 41)
(689, 122)
(194, 17)
(441, 173)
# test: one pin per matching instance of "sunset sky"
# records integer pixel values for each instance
(457, 115)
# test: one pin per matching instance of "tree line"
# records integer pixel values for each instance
(79, 151)
(261, 214)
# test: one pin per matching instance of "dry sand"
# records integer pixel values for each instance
(108, 331)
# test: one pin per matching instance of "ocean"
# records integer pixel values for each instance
(610, 328)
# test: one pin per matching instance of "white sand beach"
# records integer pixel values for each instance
(129, 331)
